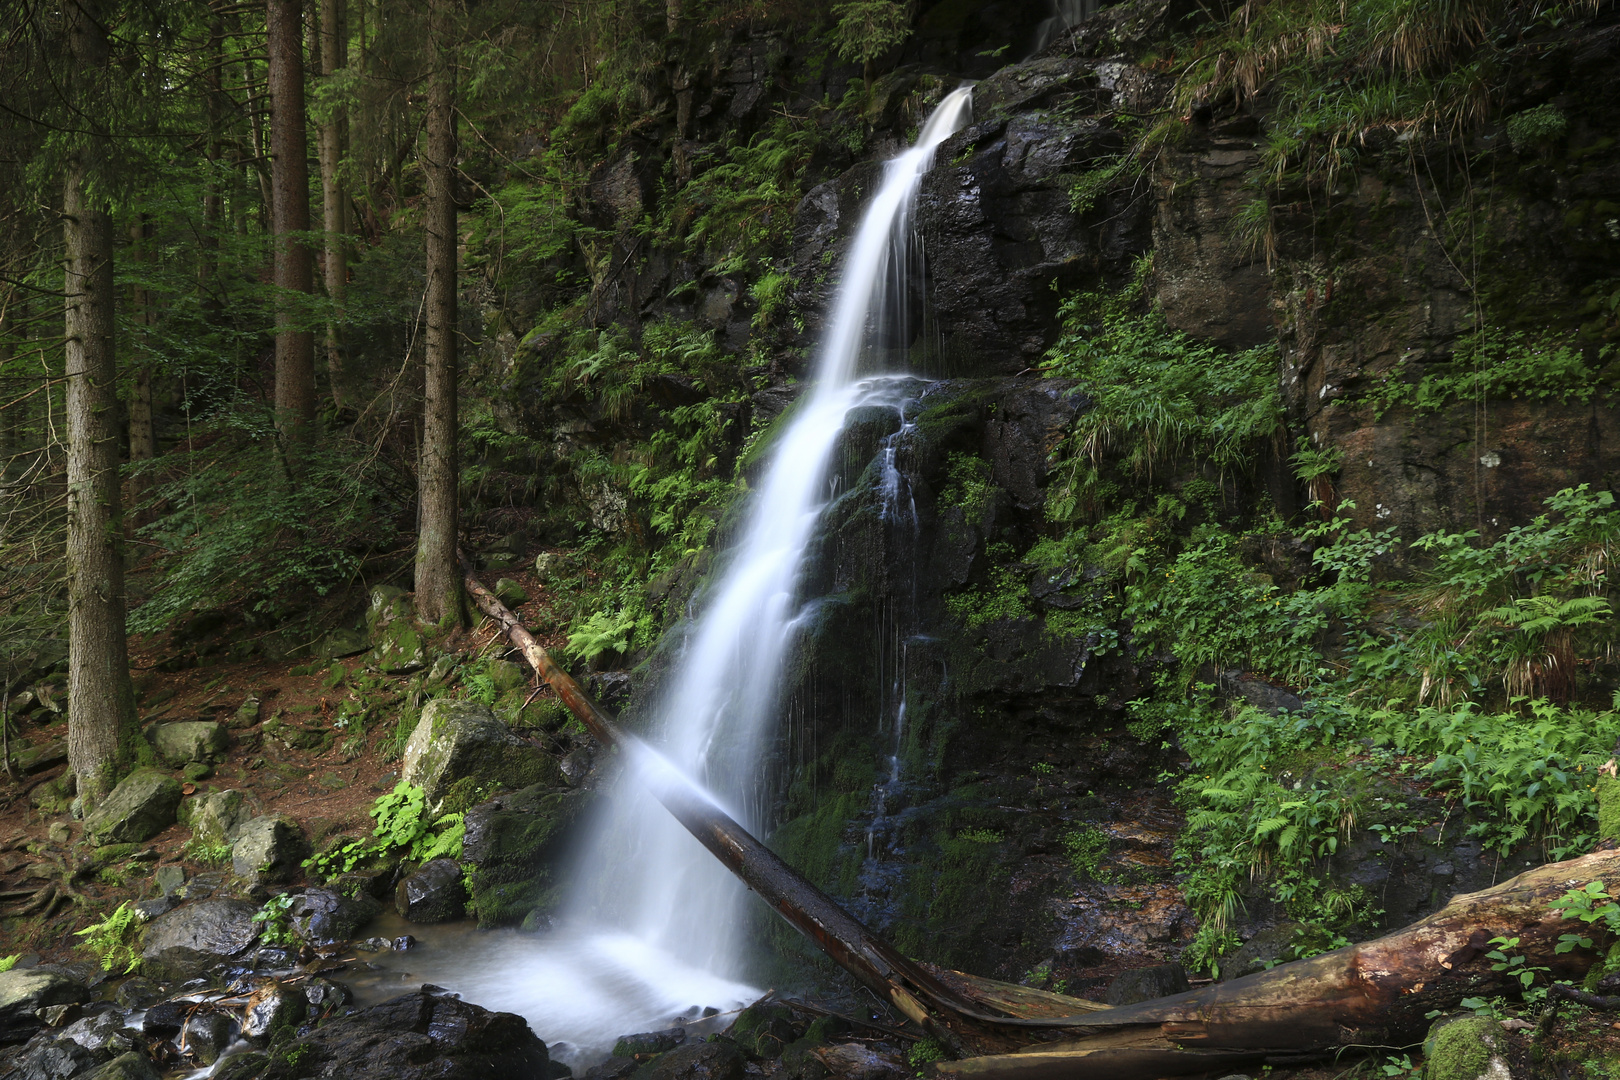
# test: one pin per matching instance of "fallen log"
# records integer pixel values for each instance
(1366, 997)
(1373, 996)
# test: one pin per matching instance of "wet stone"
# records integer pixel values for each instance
(649, 1042)
(51, 1058)
(137, 993)
(271, 1008)
(165, 1019)
(194, 937)
(130, 1066)
(698, 1061)
(207, 1033)
(24, 992)
(433, 894)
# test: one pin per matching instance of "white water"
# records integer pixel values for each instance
(653, 926)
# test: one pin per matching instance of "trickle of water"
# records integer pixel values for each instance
(642, 878)
(1066, 14)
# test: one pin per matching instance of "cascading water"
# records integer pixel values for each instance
(651, 930)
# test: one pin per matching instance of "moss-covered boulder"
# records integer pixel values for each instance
(215, 817)
(193, 740)
(268, 848)
(400, 648)
(510, 593)
(23, 992)
(464, 743)
(510, 852)
(1465, 1048)
(142, 805)
(388, 605)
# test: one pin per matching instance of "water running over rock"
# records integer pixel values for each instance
(653, 925)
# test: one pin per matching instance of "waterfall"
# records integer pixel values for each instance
(652, 925)
(1066, 15)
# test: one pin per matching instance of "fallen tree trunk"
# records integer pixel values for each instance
(1369, 996)
(1374, 995)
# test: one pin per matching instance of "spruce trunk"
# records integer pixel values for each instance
(334, 133)
(101, 702)
(289, 185)
(438, 582)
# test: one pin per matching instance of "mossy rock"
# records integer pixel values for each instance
(1464, 1048)
(142, 805)
(400, 649)
(1608, 795)
(510, 593)
(509, 851)
(388, 605)
(463, 740)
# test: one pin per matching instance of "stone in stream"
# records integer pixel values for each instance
(697, 1061)
(141, 806)
(325, 915)
(464, 741)
(130, 1066)
(206, 1034)
(271, 1008)
(1145, 984)
(25, 991)
(649, 1042)
(268, 848)
(179, 743)
(103, 1031)
(137, 993)
(425, 1036)
(435, 893)
(858, 1062)
(194, 937)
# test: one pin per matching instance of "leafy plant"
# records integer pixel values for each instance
(403, 822)
(115, 939)
(274, 920)
(9, 962)
(1085, 848)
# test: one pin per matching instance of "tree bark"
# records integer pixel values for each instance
(213, 202)
(438, 583)
(289, 185)
(102, 732)
(334, 134)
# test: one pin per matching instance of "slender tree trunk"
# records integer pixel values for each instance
(334, 133)
(142, 433)
(438, 582)
(289, 186)
(213, 203)
(102, 733)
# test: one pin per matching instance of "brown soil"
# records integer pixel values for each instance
(329, 792)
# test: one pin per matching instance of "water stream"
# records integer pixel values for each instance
(652, 930)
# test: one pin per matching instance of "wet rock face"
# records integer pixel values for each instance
(324, 915)
(510, 850)
(699, 1061)
(50, 1058)
(435, 893)
(23, 992)
(423, 1036)
(141, 806)
(1144, 984)
(194, 937)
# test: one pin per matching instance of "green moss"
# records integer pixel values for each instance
(1461, 1049)
(1608, 794)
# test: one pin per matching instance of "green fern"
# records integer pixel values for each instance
(113, 940)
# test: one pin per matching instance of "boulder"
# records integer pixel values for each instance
(247, 713)
(272, 1007)
(246, 1066)
(130, 1066)
(169, 878)
(1466, 1048)
(33, 759)
(102, 1031)
(463, 740)
(207, 1033)
(268, 848)
(325, 915)
(649, 1042)
(215, 816)
(137, 993)
(1144, 984)
(341, 643)
(698, 1061)
(510, 593)
(24, 991)
(192, 740)
(400, 649)
(194, 937)
(510, 850)
(141, 806)
(424, 1036)
(388, 604)
(51, 1058)
(435, 893)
